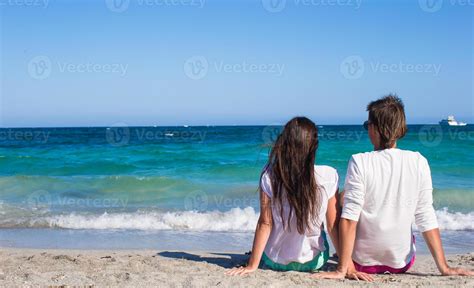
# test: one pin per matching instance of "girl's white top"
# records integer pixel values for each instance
(288, 245)
(385, 191)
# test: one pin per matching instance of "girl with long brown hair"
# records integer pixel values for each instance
(296, 198)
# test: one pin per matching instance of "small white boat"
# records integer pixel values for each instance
(451, 121)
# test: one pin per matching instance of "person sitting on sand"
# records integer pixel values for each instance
(296, 196)
(384, 191)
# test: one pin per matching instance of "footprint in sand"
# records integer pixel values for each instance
(64, 257)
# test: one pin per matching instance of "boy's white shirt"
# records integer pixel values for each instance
(386, 191)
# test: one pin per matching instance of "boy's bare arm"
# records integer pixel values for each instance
(433, 240)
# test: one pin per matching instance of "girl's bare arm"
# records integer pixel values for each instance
(262, 233)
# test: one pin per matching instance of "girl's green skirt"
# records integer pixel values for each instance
(310, 266)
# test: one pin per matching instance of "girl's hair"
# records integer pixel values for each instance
(291, 166)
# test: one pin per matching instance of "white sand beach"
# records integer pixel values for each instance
(147, 268)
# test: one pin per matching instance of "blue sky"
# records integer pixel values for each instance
(175, 62)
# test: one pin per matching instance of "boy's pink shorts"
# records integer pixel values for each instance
(381, 269)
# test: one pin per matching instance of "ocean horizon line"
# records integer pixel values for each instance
(194, 126)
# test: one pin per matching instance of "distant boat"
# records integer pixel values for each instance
(185, 126)
(451, 121)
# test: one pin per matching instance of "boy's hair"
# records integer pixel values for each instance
(387, 114)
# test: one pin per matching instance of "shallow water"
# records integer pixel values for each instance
(188, 180)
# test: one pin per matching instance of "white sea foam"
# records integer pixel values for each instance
(234, 220)
(455, 221)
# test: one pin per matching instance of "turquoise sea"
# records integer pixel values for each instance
(186, 187)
